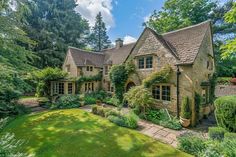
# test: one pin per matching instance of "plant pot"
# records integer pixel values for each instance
(206, 110)
(184, 122)
(98, 102)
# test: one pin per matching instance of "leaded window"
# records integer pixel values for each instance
(70, 88)
(149, 62)
(166, 93)
(156, 92)
(141, 63)
(61, 88)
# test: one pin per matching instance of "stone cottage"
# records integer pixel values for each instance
(189, 51)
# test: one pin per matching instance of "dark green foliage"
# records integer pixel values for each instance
(54, 25)
(197, 99)
(98, 38)
(228, 146)
(191, 144)
(112, 101)
(162, 118)
(67, 101)
(216, 133)
(225, 112)
(117, 120)
(44, 77)
(213, 81)
(118, 76)
(185, 108)
(88, 100)
(162, 76)
(84, 79)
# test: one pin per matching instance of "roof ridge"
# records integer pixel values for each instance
(120, 47)
(85, 51)
(189, 27)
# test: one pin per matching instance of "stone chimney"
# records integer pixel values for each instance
(119, 43)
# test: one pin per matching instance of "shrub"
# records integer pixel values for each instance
(225, 112)
(191, 144)
(67, 101)
(112, 101)
(88, 100)
(216, 133)
(230, 135)
(185, 108)
(9, 145)
(99, 110)
(172, 124)
(228, 147)
(113, 113)
(117, 120)
(131, 121)
(139, 97)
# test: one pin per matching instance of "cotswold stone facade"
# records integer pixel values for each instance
(188, 51)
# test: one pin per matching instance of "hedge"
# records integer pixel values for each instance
(225, 112)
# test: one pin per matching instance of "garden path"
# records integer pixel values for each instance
(157, 132)
(32, 104)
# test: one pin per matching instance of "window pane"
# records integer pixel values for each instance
(141, 63)
(70, 88)
(106, 70)
(166, 93)
(92, 86)
(149, 62)
(87, 68)
(61, 88)
(85, 87)
(55, 88)
(156, 92)
(91, 68)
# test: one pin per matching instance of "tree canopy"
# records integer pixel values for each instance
(55, 25)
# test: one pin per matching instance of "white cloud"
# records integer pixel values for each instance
(146, 18)
(90, 8)
(129, 39)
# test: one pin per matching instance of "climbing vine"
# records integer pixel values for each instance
(213, 81)
(162, 76)
(119, 75)
(84, 79)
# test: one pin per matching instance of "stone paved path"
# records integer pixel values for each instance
(32, 104)
(158, 132)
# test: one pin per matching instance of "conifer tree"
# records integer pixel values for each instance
(99, 39)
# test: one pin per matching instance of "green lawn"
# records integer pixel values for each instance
(76, 133)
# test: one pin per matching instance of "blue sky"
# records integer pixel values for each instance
(123, 18)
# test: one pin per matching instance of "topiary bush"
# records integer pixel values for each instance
(216, 133)
(225, 112)
(185, 108)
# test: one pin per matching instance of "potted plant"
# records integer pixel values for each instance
(185, 113)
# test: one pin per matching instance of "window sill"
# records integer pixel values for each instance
(163, 101)
(149, 69)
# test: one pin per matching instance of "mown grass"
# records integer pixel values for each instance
(76, 133)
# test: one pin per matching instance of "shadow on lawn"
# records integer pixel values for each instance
(72, 134)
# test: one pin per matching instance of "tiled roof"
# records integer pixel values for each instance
(82, 57)
(117, 55)
(184, 44)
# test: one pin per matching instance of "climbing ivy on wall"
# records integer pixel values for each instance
(213, 81)
(119, 75)
(84, 79)
(162, 76)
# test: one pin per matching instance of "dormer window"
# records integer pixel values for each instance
(89, 68)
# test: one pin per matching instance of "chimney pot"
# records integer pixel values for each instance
(119, 43)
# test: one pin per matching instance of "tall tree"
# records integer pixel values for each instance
(180, 13)
(99, 39)
(55, 25)
(229, 49)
